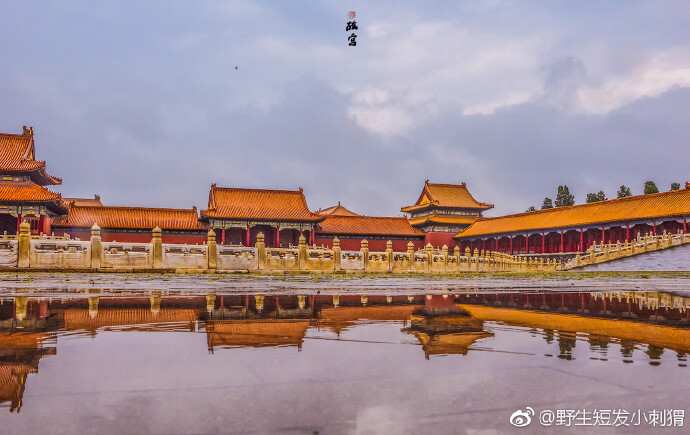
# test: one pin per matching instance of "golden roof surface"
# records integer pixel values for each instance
(657, 205)
(446, 195)
(17, 154)
(368, 225)
(443, 219)
(260, 204)
(336, 210)
(130, 217)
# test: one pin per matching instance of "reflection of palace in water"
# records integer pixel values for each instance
(441, 324)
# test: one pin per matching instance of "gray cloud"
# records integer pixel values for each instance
(144, 107)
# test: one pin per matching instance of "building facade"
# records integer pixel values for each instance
(238, 215)
(351, 230)
(575, 228)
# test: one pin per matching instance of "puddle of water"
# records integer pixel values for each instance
(377, 363)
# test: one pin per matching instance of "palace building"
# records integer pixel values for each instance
(23, 196)
(444, 214)
(132, 224)
(577, 227)
(443, 210)
(238, 215)
(351, 230)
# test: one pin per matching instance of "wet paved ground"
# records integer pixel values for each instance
(142, 362)
(61, 284)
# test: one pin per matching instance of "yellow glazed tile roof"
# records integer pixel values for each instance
(444, 219)
(446, 195)
(385, 226)
(658, 205)
(130, 217)
(17, 154)
(259, 204)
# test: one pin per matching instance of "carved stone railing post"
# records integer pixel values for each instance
(96, 247)
(475, 259)
(456, 254)
(336, 254)
(210, 302)
(261, 251)
(389, 254)
(429, 256)
(157, 249)
(23, 244)
(93, 306)
(155, 299)
(444, 251)
(212, 249)
(410, 253)
(365, 253)
(303, 254)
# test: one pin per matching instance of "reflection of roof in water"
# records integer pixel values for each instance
(256, 332)
(448, 334)
(677, 339)
(12, 384)
(19, 356)
(449, 323)
(82, 319)
(453, 343)
(18, 339)
(338, 319)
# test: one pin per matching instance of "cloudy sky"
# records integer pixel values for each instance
(141, 103)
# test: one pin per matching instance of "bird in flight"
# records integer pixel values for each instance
(235, 66)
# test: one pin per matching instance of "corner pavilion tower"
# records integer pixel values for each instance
(443, 210)
(23, 196)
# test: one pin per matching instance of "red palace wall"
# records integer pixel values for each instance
(374, 245)
(438, 239)
(143, 237)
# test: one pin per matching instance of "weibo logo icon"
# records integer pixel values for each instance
(522, 418)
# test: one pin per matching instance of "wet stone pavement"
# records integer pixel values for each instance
(351, 362)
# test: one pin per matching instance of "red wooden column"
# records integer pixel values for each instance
(627, 233)
(526, 243)
(484, 245)
(312, 237)
(654, 226)
(277, 236)
(19, 221)
(582, 240)
(511, 245)
(562, 246)
(248, 238)
(685, 225)
(603, 235)
(543, 243)
(222, 236)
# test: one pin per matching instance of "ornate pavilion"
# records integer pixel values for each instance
(23, 196)
(443, 210)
